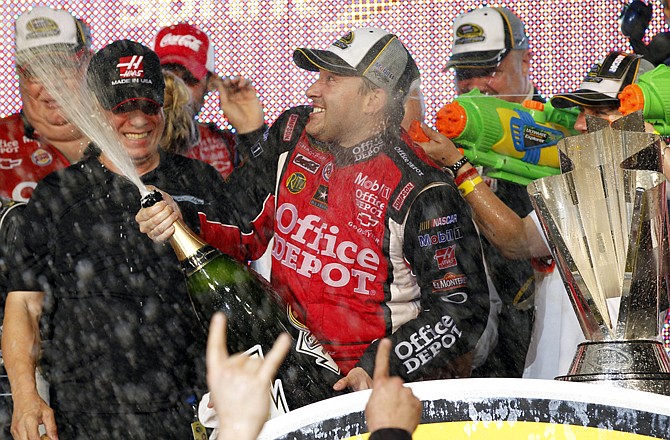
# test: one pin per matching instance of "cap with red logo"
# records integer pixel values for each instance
(186, 45)
(126, 71)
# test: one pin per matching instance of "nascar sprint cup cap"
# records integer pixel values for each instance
(125, 71)
(45, 29)
(483, 36)
(604, 81)
(368, 52)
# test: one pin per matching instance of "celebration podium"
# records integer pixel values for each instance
(478, 409)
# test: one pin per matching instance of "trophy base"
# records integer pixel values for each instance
(636, 364)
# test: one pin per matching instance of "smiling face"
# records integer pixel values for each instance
(140, 129)
(42, 111)
(508, 80)
(342, 112)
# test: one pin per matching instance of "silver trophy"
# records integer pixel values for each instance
(606, 220)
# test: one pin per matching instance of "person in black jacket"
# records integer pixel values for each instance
(491, 53)
(122, 344)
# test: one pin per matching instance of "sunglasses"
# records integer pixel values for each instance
(146, 107)
(464, 73)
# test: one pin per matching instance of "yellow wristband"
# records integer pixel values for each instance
(468, 186)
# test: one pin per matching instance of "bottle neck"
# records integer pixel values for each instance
(192, 252)
(185, 242)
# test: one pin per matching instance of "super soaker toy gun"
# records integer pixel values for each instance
(651, 94)
(516, 141)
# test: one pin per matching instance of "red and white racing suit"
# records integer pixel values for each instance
(216, 147)
(24, 160)
(369, 242)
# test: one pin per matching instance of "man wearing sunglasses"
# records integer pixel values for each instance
(491, 53)
(123, 342)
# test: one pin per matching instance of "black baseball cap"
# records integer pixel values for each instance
(124, 72)
(604, 81)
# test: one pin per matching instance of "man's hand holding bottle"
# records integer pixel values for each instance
(157, 221)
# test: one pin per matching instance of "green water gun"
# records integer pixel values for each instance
(516, 142)
(651, 94)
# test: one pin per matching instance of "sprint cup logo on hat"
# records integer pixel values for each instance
(469, 33)
(344, 41)
(41, 27)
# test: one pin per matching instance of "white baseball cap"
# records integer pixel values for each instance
(483, 36)
(44, 28)
(368, 52)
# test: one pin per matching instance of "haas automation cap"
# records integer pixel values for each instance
(126, 71)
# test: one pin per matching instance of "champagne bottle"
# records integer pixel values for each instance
(256, 317)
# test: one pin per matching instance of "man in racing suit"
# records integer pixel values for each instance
(40, 140)
(369, 240)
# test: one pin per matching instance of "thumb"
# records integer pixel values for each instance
(341, 384)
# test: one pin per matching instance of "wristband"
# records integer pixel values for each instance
(468, 186)
(467, 174)
(457, 166)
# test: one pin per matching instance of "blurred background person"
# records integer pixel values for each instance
(39, 139)
(186, 51)
(181, 132)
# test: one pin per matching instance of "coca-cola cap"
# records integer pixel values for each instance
(126, 71)
(186, 45)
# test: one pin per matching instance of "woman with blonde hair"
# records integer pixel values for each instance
(180, 133)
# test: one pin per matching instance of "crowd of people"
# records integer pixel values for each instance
(406, 261)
